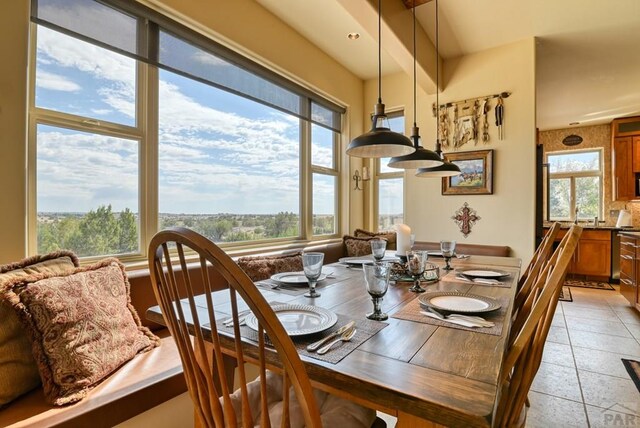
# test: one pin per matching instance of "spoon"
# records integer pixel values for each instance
(315, 345)
(345, 337)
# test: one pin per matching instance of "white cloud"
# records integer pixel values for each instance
(56, 82)
(208, 59)
(60, 50)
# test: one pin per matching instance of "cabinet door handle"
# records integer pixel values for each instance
(624, 256)
(626, 281)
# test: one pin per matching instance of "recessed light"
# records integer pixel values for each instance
(353, 36)
(574, 123)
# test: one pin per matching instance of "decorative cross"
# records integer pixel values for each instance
(465, 218)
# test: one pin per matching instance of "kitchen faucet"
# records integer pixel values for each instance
(575, 221)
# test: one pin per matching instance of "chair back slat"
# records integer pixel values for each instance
(525, 350)
(204, 351)
(541, 255)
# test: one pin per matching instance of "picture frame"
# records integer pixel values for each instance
(476, 177)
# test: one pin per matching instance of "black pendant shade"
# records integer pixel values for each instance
(380, 141)
(421, 158)
(447, 169)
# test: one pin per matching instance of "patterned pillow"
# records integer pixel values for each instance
(390, 236)
(358, 246)
(18, 370)
(81, 324)
(263, 267)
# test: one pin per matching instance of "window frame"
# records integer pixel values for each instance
(146, 132)
(571, 176)
(378, 175)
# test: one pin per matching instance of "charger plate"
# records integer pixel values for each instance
(363, 260)
(294, 278)
(299, 320)
(451, 301)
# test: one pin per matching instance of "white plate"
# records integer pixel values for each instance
(299, 320)
(459, 303)
(483, 273)
(294, 278)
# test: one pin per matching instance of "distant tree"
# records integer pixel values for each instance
(128, 228)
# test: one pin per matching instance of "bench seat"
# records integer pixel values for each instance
(470, 249)
(146, 381)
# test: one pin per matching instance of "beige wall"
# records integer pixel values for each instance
(507, 216)
(242, 24)
(14, 32)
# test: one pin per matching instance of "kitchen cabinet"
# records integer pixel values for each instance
(624, 187)
(625, 158)
(629, 268)
(592, 257)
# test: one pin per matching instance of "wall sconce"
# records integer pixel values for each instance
(358, 178)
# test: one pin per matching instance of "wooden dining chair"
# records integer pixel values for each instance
(524, 355)
(281, 395)
(530, 276)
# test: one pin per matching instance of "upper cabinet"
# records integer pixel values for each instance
(626, 158)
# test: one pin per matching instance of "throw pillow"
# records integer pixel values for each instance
(263, 267)
(18, 369)
(358, 246)
(81, 324)
(390, 236)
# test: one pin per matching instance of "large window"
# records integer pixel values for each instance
(390, 184)
(134, 129)
(575, 185)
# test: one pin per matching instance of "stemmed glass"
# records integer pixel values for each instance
(378, 247)
(416, 264)
(448, 248)
(376, 279)
(312, 266)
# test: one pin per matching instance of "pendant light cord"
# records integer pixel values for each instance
(437, 79)
(414, 67)
(379, 52)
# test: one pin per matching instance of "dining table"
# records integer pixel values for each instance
(423, 371)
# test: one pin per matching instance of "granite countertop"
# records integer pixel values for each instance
(590, 226)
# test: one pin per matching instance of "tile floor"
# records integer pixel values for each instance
(582, 382)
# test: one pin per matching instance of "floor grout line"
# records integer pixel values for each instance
(575, 363)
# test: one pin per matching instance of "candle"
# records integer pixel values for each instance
(403, 239)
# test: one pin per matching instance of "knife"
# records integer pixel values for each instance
(463, 323)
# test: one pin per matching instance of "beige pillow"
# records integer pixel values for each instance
(81, 325)
(390, 236)
(18, 370)
(263, 267)
(358, 246)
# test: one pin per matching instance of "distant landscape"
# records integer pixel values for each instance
(104, 232)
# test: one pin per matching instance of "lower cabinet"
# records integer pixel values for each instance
(629, 267)
(593, 254)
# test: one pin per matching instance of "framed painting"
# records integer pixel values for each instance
(476, 177)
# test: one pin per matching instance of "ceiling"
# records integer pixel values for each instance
(587, 55)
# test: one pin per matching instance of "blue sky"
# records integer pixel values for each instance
(218, 153)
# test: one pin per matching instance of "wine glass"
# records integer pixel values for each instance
(376, 279)
(378, 247)
(416, 264)
(448, 248)
(312, 266)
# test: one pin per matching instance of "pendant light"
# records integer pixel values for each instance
(447, 169)
(380, 141)
(421, 157)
